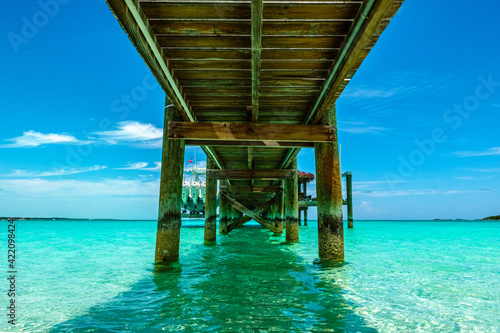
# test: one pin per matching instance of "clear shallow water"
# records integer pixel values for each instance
(399, 276)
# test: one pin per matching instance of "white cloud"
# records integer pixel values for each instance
(141, 166)
(492, 170)
(490, 152)
(370, 93)
(366, 208)
(55, 172)
(397, 193)
(37, 187)
(355, 127)
(35, 139)
(134, 133)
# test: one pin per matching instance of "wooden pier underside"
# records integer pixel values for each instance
(251, 80)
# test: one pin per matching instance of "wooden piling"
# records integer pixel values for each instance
(280, 210)
(348, 181)
(169, 212)
(329, 195)
(210, 206)
(224, 209)
(305, 209)
(292, 206)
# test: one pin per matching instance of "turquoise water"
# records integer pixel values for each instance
(399, 277)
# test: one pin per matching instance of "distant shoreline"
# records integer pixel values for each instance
(490, 218)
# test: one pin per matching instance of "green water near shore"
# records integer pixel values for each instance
(398, 276)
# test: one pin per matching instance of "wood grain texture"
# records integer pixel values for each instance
(250, 132)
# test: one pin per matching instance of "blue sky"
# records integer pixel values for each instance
(81, 116)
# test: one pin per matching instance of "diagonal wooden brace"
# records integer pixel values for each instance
(244, 219)
(251, 214)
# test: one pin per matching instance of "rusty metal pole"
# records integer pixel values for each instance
(169, 212)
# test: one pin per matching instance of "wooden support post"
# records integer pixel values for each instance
(280, 206)
(300, 216)
(292, 206)
(329, 196)
(305, 210)
(210, 206)
(348, 181)
(169, 212)
(224, 208)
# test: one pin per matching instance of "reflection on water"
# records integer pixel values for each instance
(249, 281)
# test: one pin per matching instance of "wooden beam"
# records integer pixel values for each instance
(250, 213)
(360, 35)
(244, 219)
(250, 189)
(250, 132)
(271, 144)
(251, 174)
(257, 9)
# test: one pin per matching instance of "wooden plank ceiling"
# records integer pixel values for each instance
(283, 62)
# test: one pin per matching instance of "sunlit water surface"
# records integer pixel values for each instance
(399, 276)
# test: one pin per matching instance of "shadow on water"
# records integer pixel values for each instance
(248, 282)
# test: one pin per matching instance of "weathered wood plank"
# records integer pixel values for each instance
(252, 174)
(246, 53)
(217, 27)
(256, 8)
(211, 41)
(241, 10)
(250, 132)
(228, 64)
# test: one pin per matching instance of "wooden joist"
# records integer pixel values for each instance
(250, 132)
(251, 174)
(251, 189)
(275, 144)
(256, 8)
